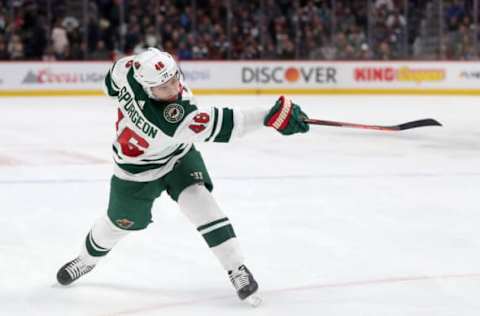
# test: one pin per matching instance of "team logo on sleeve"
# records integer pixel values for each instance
(173, 113)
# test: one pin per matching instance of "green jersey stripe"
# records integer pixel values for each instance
(133, 168)
(115, 150)
(227, 126)
(112, 91)
(114, 84)
(219, 125)
(177, 150)
(221, 220)
(215, 121)
(138, 168)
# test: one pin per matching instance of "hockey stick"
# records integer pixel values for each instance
(393, 128)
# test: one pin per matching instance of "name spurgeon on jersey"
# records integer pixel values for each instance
(126, 100)
(152, 135)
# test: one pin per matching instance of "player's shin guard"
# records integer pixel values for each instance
(101, 238)
(199, 206)
(202, 210)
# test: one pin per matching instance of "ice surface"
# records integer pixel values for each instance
(335, 222)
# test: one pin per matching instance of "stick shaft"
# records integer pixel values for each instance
(393, 128)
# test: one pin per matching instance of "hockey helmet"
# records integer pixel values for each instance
(153, 68)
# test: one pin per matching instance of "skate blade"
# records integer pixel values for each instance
(254, 300)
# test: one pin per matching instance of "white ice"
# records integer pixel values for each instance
(334, 222)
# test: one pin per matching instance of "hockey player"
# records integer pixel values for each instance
(157, 124)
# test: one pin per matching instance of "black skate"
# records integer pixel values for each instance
(73, 270)
(245, 285)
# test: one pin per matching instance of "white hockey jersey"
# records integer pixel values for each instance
(152, 135)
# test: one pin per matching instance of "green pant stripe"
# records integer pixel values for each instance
(219, 235)
(202, 227)
(93, 248)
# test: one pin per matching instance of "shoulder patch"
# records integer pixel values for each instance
(173, 113)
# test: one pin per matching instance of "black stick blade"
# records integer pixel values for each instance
(419, 123)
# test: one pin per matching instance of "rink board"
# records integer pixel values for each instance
(257, 78)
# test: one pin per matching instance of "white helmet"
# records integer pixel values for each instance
(154, 67)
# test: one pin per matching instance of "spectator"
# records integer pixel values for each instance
(365, 52)
(3, 20)
(184, 52)
(49, 54)
(452, 23)
(15, 48)
(396, 20)
(313, 51)
(272, 29)
(4, 54)
(356, 37)
(384, 4)
(79, 50)
(59, 39)
(455, 9)
(384, 52)
(100, 52)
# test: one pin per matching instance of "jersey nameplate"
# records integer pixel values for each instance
(127, 102)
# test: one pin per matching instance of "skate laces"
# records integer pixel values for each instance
(77, 268)
(240, 278)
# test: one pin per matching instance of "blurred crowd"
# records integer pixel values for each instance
(240, 30)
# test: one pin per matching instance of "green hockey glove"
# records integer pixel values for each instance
(286, 117)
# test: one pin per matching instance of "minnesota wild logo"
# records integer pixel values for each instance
(124, 223)
(173, 113)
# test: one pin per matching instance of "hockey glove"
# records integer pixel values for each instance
(286, 117)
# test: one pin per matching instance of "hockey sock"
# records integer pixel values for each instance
(101, 239)
(202, 210)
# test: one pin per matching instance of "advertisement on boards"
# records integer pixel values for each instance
(257, 77)
(52, 76)
(399, 74)
(307, 75)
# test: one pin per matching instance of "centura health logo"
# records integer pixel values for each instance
(196, 75)
(47, 75)
(280, 74)
(392, 74)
